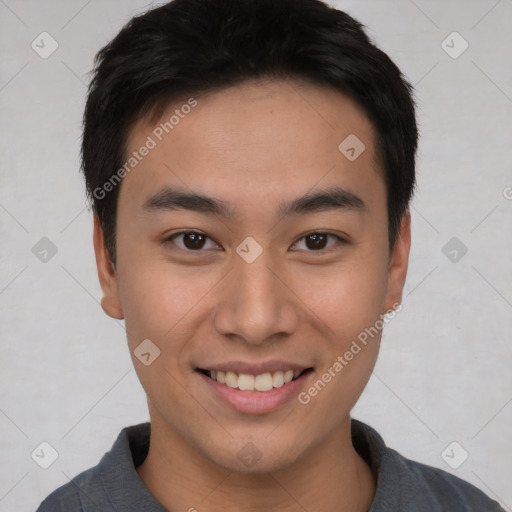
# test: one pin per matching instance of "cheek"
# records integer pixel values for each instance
(349, 303)
(160, 300)
(347, 298)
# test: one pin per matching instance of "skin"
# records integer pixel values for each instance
(254, 146)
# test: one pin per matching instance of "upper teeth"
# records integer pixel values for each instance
(262, 382)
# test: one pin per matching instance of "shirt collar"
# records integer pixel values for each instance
(121, 482)
(126, 491)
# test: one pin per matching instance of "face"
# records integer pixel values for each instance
(272, 274)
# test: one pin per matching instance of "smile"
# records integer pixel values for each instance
(247, 382)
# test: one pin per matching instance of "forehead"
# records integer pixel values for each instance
(265, 138)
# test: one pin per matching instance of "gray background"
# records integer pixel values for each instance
(444, 368)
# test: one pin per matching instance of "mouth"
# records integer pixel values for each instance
(254, 387)
(263, 382)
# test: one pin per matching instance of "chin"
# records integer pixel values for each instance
(262, 466)
(255, 458)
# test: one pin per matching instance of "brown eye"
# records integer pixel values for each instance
(193, 240)
(190, 240)
(318, 241)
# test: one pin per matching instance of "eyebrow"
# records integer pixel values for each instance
(332, 198)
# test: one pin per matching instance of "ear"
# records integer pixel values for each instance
(398, 262)
(107, 274)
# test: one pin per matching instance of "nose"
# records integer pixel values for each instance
(256, 303)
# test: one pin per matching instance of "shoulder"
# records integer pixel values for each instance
(431, 488)
(405, 485)
(112, 483)
(72, 496)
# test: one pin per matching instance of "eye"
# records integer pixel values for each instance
(191, 241)
(318, 241)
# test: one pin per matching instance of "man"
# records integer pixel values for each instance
(250, 164)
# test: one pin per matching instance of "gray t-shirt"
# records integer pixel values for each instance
(402, 485)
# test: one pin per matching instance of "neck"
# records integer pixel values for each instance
(332, 478)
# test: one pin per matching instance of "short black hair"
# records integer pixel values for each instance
(188, 47)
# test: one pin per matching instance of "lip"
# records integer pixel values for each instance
(255, 402)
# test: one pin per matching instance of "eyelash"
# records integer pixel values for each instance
(340, 240)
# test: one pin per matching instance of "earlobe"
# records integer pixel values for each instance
(398, 263)
(106, 274)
